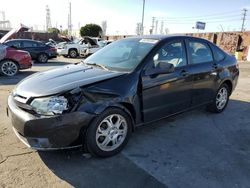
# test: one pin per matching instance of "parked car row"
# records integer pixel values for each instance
(17, 54)
(39, 51)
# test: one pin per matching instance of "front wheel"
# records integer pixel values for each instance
(108, 133)
(220, 100)
(8, 68)
(73, 53)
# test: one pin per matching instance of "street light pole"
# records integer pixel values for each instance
(142, 21)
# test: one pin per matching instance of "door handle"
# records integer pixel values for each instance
(184, 73)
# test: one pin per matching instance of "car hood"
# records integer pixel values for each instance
(13, 32)
(61, 79)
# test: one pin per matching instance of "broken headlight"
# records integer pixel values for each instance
(50, 105)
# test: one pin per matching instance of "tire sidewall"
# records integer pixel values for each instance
(73, 51)
(38, 58)
(90, 138)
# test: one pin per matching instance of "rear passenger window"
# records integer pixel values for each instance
(28, 44)
(16, 44)
(200, 53)
(219, 54)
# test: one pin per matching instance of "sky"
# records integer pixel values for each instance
(178, 16)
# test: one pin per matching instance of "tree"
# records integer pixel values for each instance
(91, 30)
(65, 32)
(53, 30)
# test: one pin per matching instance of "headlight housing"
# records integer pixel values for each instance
(50, 105)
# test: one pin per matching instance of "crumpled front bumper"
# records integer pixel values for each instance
(47, 132)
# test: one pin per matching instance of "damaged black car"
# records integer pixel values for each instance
(99, 102)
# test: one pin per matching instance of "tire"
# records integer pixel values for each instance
(103, 137)
(8, 68)
(73, 53)
(42, 58)
(220, 100)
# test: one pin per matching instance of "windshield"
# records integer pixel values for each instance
(122, 55)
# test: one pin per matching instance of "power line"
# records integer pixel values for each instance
(243, 19)
(207, 18)
(206, 15)
(218, 21)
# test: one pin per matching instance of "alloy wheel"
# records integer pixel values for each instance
(221, 98)
(43, 58)
(9, 68)
(111, 132)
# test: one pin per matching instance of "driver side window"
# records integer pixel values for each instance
(172, 53)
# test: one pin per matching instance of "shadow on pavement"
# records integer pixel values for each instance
(51, 63)
(79, 171)
(4, 80)
(194, 149)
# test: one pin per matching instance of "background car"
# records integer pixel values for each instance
(13, 60)
(85, 47)
(39, 51)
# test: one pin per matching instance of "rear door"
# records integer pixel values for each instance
(166, 94)
(31, 47)
(204, 70)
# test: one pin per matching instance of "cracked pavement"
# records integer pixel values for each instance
(194, 149)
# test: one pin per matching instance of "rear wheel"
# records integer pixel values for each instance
(73, 53)
(108, 133)
(220, 100)
(8, 68)
(42, 58)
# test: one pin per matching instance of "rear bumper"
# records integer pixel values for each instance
(25, 63)
(47, 133)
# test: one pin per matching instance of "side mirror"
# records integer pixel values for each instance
(161, 68)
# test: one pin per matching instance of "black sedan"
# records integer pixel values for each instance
(98, 103)
(39, 51)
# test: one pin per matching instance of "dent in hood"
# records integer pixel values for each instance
(62, 79)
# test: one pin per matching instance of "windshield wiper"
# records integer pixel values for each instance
(97, 65)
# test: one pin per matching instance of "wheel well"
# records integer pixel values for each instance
(73, 49)
(229, 84)
(11, 60)
(131, 110)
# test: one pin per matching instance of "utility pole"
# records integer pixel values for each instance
(156, 27)
(48, 19)
(162, 25)
(142, 20)
(69, 21)
(153, 25)
(243, 19)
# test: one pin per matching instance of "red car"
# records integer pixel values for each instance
(12, 60)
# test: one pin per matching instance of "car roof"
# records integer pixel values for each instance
(23, 40)
(162, 37)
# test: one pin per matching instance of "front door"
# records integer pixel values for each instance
(166, 94)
